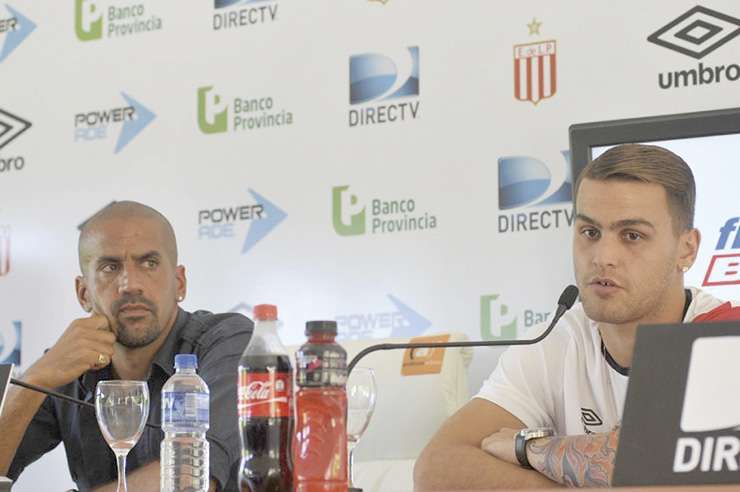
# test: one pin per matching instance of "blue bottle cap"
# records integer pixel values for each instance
(186, 361)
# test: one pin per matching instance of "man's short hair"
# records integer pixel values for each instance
(649, 164)
(126, 209)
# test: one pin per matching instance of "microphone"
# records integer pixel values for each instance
(61, 396)
(565, 302)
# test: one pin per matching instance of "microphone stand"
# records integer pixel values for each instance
(562, 308)
(62, 396)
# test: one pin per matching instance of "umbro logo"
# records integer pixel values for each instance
(590, 418)
(11, 127)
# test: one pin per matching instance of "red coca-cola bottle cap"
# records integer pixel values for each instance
(265, 312)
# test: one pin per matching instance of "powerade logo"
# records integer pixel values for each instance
(696, 33)
(245, 114)
(11, 127)
(499, 322)
(710, 408)
(375, 78)
(10, 343)
(527, 182)
(14, 29)
(401, 322)
(351, 218)
(4, 250)
(243, 13)
(724, 268)
(95, 125)
(98, 19)
(257, 219)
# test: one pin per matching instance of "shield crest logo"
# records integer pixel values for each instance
(535, 71)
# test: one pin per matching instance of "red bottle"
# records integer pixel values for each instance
(265, 408)
(320, 446)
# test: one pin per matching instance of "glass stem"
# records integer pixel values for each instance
(121, 460)
(351, 459)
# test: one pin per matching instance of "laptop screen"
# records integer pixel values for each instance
(6, 371)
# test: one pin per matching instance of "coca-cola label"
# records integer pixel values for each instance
(265, 394)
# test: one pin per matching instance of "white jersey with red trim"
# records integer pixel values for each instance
(569, 381)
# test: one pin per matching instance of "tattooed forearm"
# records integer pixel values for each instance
(575, 461)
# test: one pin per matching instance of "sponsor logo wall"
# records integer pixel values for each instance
(303, 160)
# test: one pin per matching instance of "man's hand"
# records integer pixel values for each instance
(501, 445)
(86, 344)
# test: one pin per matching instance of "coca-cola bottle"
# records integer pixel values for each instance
(265, 408)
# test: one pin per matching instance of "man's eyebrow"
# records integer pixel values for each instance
(108, 259)
(617, 225)
(149, 255)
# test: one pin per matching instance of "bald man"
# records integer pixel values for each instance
(130, 284)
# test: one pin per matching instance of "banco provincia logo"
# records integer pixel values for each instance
(98, 19)
(95, 125)
(351, 218)
(14, 29)
(216, 115)
(499, 321)
(386, 85)
(527, 182)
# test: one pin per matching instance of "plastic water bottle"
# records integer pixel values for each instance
(185, 416)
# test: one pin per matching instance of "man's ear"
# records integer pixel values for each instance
(182, 283)
(83, 294)
(688, 248)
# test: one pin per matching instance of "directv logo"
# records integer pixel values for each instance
(15, 28)
(254, 12)
(375, 78)
(710, 405)
(528, 182)
(94, 125)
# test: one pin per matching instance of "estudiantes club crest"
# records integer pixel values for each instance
(535, 71)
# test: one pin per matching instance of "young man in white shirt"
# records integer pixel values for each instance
(633, 241)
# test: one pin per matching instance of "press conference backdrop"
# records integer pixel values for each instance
(338, 159)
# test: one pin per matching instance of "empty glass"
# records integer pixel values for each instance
(361, 393)
(122, 409)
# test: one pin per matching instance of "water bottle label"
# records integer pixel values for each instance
(265, 394)
(180, 407)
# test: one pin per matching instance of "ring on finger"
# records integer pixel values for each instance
(102, 359)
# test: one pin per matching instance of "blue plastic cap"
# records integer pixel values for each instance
(186, 361)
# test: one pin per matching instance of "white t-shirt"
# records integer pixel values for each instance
(566, 381)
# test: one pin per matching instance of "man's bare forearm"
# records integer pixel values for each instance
(20, 407)
(575, 461)
(470, 468)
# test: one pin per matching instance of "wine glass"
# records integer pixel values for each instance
(122, 409)
(361, 393)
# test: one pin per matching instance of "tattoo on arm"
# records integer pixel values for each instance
(575, 461)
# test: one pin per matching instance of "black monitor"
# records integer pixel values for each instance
(709, 141)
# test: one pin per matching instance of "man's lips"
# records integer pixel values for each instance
(134, 309)
(604, 282)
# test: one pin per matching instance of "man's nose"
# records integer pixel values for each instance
(130, 281)
(606, 252)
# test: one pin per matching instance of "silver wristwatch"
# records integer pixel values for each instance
(520, 442)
